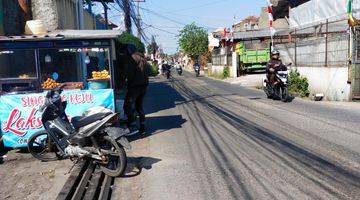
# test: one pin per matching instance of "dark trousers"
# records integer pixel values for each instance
(134, 96)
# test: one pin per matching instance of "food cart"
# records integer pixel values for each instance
(31, 65)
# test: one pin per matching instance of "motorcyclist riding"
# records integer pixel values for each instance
(178, 68)
(197, 68)
(275, 64)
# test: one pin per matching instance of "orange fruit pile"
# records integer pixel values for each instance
(50, 84)
(101, 75)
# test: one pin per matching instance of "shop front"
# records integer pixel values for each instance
(31, 66)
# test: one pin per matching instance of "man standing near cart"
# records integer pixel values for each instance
(137, 81)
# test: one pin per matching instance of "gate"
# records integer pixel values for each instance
(356, 66)
(356, 84)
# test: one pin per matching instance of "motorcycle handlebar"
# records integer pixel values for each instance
(42, 108)
(50, 94)
(60, 88)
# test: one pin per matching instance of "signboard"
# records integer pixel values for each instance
(20, 117)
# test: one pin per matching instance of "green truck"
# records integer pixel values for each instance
(253, 55)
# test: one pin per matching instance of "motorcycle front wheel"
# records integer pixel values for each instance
(284, 94)
(277, 93)
(268, 91)
(116, 159)
(41, 146)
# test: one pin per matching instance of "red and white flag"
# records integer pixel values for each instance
(271, 18)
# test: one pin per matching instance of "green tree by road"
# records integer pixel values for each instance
(193, 40)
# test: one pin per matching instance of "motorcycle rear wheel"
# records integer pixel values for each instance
(41, 146)
(117, 162)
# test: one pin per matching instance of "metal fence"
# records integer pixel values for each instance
(222, 57)
(325, 45)
(222, 60)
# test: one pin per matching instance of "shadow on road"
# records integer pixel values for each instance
(161, 96)
(137, 164)
(281, 151)
(156, 125)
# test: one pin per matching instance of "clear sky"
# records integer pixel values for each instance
(167, 17)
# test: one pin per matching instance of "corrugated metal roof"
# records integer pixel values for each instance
(66, 34)
(341, 26)
(29, 37)
(254, 34)
(89, 34)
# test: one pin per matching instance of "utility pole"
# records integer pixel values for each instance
(139, 18)
(106, 8)
(127, 18)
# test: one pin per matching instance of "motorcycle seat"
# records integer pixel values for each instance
(82, 121)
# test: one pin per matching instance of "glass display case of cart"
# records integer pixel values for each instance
(17, 75)
(74, 67)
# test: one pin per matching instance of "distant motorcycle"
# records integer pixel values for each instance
(168, 73)
(91, 137)
(179, 70)
(197, 70)
(279, 89)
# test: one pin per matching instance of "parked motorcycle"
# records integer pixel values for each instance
(279, 89)
(94, 137)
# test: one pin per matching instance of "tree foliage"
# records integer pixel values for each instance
(127, 38)
(193, 40)
(153, 46)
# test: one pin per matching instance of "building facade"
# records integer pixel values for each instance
(55, 14)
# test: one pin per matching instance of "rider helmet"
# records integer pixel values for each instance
(275, 52)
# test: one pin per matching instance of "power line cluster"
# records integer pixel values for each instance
(132, 17)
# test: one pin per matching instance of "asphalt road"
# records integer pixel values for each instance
(212, 140)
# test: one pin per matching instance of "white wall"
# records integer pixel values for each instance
(235, 63)
(216, 69)
(329, 78)
(332, 82)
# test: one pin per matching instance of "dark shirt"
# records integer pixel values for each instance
(138, 71)
(277, 65)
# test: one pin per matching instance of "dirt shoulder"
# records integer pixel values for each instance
(24, 177)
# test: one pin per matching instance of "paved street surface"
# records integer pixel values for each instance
(213, 140)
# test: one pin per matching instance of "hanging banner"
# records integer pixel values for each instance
(318, 11)
(20, 116)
